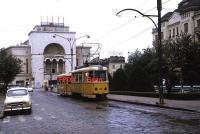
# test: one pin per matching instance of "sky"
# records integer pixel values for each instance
(118, 35)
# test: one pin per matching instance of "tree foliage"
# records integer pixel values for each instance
(9, 68)
(183, 54)
(119, 80)
(139, 80)
(180, 64)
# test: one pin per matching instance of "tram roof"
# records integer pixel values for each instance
(90, 68)
(65, 74)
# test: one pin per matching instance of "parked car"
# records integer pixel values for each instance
(18, 98)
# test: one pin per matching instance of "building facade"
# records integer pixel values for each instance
(50, 50)
(184, 20)
(22, 52)
(113, 63)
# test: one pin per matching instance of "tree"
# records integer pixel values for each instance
(147, 60)
(139, 80)
(110, 81)
(9, 68)
(119, 80)
(183, 54)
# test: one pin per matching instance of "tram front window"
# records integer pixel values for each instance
(101, 75)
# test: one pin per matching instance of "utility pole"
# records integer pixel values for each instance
(159, 44)
(159, 8)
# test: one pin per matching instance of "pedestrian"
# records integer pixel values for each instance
(168, 86)
(51, 87)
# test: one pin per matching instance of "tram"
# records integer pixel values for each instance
(89, 82)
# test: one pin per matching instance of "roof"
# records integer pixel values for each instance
(188, 5)
(65, 74)
(166, 16)
(16, 88)
(90, 68)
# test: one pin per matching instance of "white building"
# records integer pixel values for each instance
(184, 20)
(49, 51)
(113, 63)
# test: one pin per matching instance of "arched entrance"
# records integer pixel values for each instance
(54, 62)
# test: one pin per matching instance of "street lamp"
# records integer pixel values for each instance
(71, 44)
(159, 51)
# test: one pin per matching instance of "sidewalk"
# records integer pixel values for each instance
(187, 105)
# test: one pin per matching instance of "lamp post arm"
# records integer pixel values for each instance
(143, 15)
(63, 38)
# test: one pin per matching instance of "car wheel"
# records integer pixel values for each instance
(29, 111)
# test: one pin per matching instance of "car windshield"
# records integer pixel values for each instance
(17, 92)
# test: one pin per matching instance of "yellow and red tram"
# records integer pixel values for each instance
(89, 82)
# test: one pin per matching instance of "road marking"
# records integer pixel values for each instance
(21, 118)
(38, 118)
(6, 120)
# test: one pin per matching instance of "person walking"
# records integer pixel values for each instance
(168, 86)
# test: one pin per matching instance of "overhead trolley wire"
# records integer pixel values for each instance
(127, 22)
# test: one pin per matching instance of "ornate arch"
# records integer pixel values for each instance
(54, 49)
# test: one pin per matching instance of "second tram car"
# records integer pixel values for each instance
(89, 82)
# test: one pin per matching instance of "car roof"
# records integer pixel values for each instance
(16, 88)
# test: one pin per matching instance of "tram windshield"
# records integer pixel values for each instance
(99, 75)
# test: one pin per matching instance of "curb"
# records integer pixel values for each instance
(1, 114)
(154, 105)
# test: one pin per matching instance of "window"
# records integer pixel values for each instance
(177, 32)
(186, 27)
(198, 23)
(173, 32)
(80, 78)
(170, 33)
(163, 24)
(17, 92)
(162, 35)
(27, 66)
(97, 75)
(53, 70)
(113, 66)
(77, 62)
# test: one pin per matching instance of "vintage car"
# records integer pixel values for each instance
(18, 98)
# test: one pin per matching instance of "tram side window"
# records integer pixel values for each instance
(80, 78)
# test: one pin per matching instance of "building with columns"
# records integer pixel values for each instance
(50, 50)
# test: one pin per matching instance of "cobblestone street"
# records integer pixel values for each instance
(53, 114)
